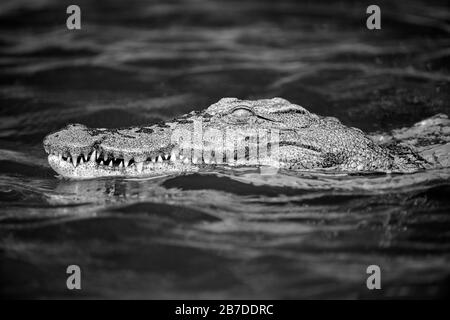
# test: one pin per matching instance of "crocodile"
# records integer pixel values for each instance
(229, 133)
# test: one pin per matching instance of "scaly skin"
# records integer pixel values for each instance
(306, 142)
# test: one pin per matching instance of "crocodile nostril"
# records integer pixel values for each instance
(76, 126)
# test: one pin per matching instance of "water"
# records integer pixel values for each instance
(220, 234)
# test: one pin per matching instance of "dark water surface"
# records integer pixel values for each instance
(220, 234)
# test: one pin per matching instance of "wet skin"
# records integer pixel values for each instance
(306, 141)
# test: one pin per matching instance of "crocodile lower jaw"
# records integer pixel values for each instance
(93, 169)
(93, 166)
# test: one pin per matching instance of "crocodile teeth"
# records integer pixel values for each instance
(101, 162)
(160, 159)
(166, 157)
(74, 160)
(110, 163)
(139, 166)
(105, 157)
(120, 164)
(154, 160)
(97, 155)
(173, 157)
(81, 160)
(126, 162)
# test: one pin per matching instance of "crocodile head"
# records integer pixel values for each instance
(231, 132)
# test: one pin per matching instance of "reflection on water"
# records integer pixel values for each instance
(220, 234)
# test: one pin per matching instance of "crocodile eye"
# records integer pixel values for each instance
(242, 112)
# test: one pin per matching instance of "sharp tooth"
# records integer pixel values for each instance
(173, 157)
(105, 157)
(93, 156)
(59, 156)
(139, 166)
(120, 164)
(126, 161)
(97, 155)
(81, 160)
(166, 156)
(110, 163)
(160, 159)
(101, 162)
(74, 159)
(154, 159)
